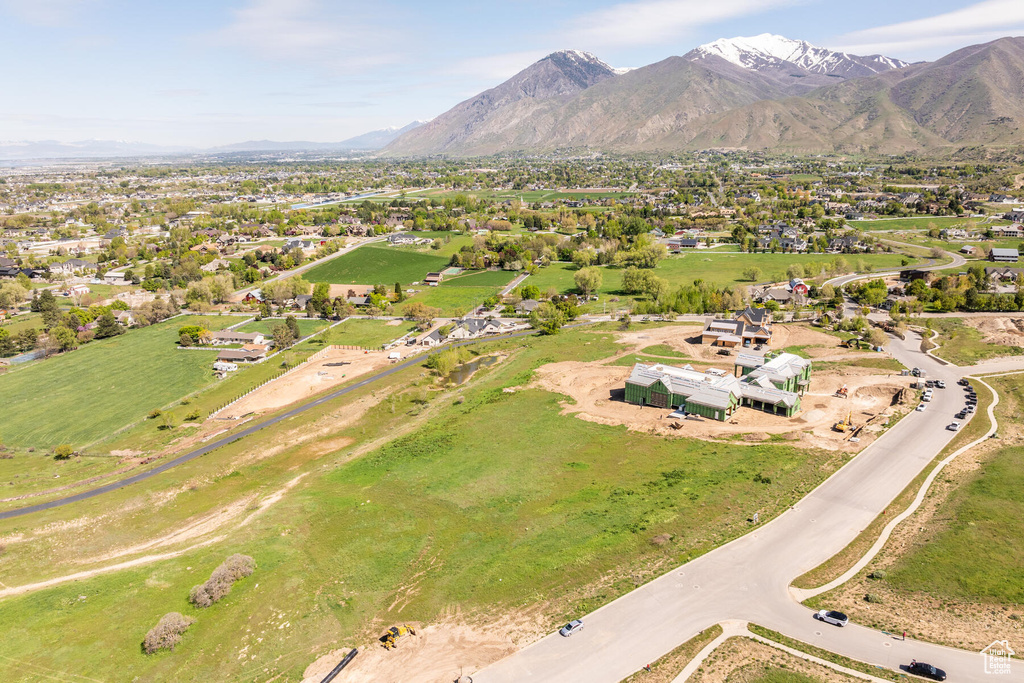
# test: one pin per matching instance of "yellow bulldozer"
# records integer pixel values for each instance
(390, 639)
(844, 425)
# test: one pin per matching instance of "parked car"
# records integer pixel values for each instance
(927, 396)
(930, 383)
(571, 628)
(926, 670)
(971, 409)
(832, 617)
(920, 407)
(953, 427)
(941, 384)
(962, 415)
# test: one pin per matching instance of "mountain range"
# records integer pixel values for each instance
(104, 149)
(761, 93)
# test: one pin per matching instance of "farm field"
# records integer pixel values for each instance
(432, 519)
(103, 385)
(373, 265)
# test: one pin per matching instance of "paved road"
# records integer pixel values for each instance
(957, 261)
(749, 578)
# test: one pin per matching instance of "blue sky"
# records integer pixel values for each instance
(208, 72)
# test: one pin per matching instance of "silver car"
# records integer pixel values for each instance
(571, 628)
(832, 617)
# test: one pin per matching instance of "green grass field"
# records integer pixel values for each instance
(377, 265)
(307, 326)
(83, 395)
(452, 301)
(976, 551)
(367, 333)
(915, 222)
(483, 278)
(962, 344)
(461, 509)
(23, 322)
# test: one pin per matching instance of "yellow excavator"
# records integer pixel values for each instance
(844, 425)
(390, 639)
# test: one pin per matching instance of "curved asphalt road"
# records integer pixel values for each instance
(749, 578)
(192, 455)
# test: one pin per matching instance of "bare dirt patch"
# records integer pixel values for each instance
(337, 367)
(596, 393)
(1002, 331)
(739, 660)
(438, 652)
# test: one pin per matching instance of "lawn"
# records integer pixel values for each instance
(914, 223)
(962, 344)
(83, 395)
(463, 509)
(377, 265)
(307, 326)
(367, 333)
(23, 322)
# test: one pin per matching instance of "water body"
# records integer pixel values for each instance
(462, 373)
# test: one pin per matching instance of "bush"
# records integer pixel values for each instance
(871, 597)
(219, 584)
(192, 417)
(877, 574)
(167, 633)
(63, 452)
(155, 414)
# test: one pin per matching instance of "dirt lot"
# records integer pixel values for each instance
(739, 660)
(438, 652)
(337, 367)
(1002, 331)
(597, 390)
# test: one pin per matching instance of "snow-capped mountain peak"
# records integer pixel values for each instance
(769, 51)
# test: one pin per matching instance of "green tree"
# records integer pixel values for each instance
(547, 318)
(588, 280)
(63, 452)
(6, 343)
(752, 274)
(283, 336)
(107, 326)
(63, 339)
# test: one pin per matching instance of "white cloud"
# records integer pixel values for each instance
(334, 35)
(940, 34)
(44, 12)
(658, 21)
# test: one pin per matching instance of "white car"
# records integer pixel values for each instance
(832, 617)
(954, 427)
(921, 406)
(927, 396)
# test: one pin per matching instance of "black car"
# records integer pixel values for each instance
(926, 670)
(962, 415)
(962, 382)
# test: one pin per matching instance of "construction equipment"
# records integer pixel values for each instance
(842, 392)
(844, 425)
(390, 639)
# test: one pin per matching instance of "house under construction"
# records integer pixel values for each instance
(772, 385)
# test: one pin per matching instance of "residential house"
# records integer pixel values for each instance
(1015, 230)
(247, 354)
(126, 318)
(470, 328)
(401, 239)
(969, 250)
(232, 337)
(254, 297)
(433, 279)
(751, 326)
(526, 306)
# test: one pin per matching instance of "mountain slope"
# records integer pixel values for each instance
(491, 119)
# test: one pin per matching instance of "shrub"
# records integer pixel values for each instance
(877, 574)
(167, 633)
(63, 452)
(871, 597)
(155, 414)
(219, 584)
(192, 417)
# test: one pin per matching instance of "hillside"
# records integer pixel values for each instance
(720, 100)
